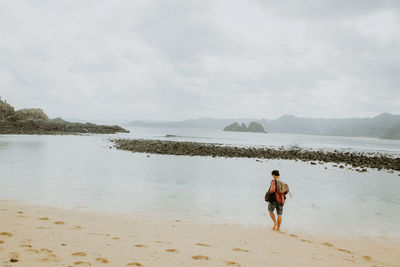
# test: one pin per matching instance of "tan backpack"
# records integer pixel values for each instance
(282, 187)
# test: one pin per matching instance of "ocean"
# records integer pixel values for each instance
(88, 173)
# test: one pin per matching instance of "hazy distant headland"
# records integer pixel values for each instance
(385, 125)
(35, 121)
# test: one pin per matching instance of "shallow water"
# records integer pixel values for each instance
(84, 172)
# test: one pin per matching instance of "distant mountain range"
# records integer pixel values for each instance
(385, 125)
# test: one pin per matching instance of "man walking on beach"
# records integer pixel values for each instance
(278, 201)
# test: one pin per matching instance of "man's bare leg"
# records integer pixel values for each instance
(273, 218)
(279, 222)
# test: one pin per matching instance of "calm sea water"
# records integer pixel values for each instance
(84, 172)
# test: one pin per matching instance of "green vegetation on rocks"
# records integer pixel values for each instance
(35, 121)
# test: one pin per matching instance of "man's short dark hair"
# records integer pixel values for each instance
(275, 173)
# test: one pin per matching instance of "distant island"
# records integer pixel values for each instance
(35, 121)
(384, 126)
(253, 127)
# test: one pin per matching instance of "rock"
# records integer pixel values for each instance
(254, 127)
(234, 127)
(358, 160)
(28, 114)
(35, 121)
(13, 260)
(59, 120)
(6, 110)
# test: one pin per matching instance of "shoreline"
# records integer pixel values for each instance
(45, 236)
(356, 161)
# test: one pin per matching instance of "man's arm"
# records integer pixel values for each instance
(272, 189)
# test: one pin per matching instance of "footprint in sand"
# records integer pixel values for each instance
(25, 246)
(51, 258)
(232, 263)
(140, 246)
(367, 258)
(44, 219)
(307, 241)
(59, 222)
(345, 250)
(14, 257)
(20, 212)
(102, 260)
(32, 250)
(84, 263)
(116, 238)
(77, 227)
(327, 244)
(293, 235)
(6, 234)
(134, 264)
(79, 254)
(1, 242)
(200, 257)
(239, 249)
(171, 250)
(202, 245)
(46, 250)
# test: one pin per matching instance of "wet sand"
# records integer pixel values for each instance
(45, 236)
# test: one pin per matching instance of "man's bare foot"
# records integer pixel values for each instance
(275, 225)
(277, 229)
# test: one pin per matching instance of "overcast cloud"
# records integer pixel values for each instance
(173, 60)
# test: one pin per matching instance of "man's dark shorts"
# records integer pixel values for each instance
(278, 207)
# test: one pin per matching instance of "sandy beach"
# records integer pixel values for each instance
(46, 236)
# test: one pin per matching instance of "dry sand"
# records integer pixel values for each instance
(43, 236)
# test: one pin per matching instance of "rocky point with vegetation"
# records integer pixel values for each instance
(35, 121)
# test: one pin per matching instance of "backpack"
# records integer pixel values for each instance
(282, 187)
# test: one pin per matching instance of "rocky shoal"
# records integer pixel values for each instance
(357, 160)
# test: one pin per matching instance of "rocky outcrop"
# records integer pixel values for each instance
(254, 127)
(235, 127)
(35, 121)
(28, 115)
(349, 160)
(6, 110)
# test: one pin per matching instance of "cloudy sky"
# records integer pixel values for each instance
(174, 60)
